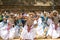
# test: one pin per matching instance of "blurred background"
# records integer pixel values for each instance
(31, 2)
(46, 5)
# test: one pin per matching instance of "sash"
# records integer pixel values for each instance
(56, 26)
(29, 28)
(9, 26)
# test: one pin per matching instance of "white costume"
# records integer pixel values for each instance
(49, 21)
(51, 31)
(58, 30)
(17, 31)
(39, 28)
(1, 25)
(12, 33)
(40, 31)
(39, 21)
(28, 35)
(5, 34)
(35, 21)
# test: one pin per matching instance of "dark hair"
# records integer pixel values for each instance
(59, 21)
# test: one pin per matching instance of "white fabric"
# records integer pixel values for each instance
(17, 31)
(28, 35)
(7, 21)
(15, 15)
(5, 34)
(58, 30)
(41, 14)
(49, 21)
(52, 32)
(1, 24)
(11, 33)
(27, 15)
(35, 21)
(39, 21)
(39, 30)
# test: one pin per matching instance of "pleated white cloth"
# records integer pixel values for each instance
(58, 30)
(28, 35)
(52, 32)
(40, 30)
(5, 34)
(1, 25)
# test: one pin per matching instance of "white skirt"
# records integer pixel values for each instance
(28, 35)
(17, 31)
(52, 32)
(55, 34)
(5, 34)
(40, 30)
(58, 30)
(1, 25)
(11, 33)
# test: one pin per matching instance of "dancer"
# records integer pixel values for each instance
(28, 32)
(51, 30)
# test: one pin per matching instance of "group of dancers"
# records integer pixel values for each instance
(29, 25)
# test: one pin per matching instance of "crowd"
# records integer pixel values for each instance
(29, 25)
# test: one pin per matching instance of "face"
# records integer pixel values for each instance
(55, 14)
(29, 22)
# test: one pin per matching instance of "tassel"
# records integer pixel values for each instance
(56, 26)
(29, 28)
(9, 25)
